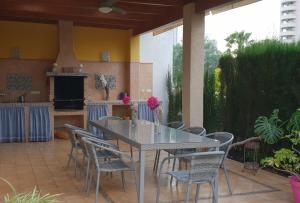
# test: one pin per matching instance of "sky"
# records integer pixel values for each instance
(262, 19)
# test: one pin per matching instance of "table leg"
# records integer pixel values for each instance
(216, 199)
(141, 176)
(216, 182)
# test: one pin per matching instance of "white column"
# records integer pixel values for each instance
(193, 65)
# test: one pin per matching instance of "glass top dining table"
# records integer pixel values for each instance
(146, 137)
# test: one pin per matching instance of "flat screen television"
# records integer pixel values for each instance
(68, 92)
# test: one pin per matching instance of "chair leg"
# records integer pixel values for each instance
(227, 180)
(82, 166)
(168, 157)
(70, 157)
(131, 152)
(75, 160)
(158, 190)
(136, 183)
(97, 187)
(197, 193)
(87, 175)
(155, 160)
(215, 195)
(173, 168)
(187, 197)
(89, 182)
(123, 180)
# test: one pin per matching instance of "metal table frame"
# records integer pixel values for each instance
(152, 147)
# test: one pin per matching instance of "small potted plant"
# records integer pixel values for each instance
(287, 160)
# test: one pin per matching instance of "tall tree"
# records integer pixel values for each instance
(174, 79)
(237, 41)
(177, 65)
(212, 54)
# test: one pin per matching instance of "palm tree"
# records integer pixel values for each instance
(237, 41)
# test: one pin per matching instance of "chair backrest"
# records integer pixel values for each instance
(71, 129)
(94, 145)
(91, 150)
(110, 118)
(83, 133)
(80, 134)
(204, 165)
(196, 130)
(225, 139)
(176, 125)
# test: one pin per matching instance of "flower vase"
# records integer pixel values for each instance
(156, 122)
(107, 93)
(133, 116)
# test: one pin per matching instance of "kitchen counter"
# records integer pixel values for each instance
(26, 104)
(112, 102)
(28, 122)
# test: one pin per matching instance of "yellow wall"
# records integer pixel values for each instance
(40, 41)
(89, 43)
(35, 41)
(135, 49)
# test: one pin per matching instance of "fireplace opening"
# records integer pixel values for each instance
(68, 92)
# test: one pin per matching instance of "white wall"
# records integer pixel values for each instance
(159, 51)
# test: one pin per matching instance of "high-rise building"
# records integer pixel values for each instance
(290, 19)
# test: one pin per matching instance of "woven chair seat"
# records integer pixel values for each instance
(114, 165)
(180, 151)
(184, 176)
(102, 154)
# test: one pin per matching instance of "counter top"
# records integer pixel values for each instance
(115, 102)
(27, 104)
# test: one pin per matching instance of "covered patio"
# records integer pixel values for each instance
(47, 43)
(44, 165)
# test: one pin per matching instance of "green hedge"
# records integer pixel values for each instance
(262, 77)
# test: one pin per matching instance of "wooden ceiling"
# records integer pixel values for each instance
(141, 16)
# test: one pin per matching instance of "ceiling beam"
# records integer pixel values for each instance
(90, 12)
(130, 6)
(48, 21)
(142, 15)
(167, 3)
(145, 9)
(203, 6)
(158, 22)
(81, 19)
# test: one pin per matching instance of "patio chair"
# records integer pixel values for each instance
(75, 145)
(203, 169)
(107, 137)
(226, 140)
(101, 154)
(176, 125)
(200, 131)
(195, 130)
(107, 165)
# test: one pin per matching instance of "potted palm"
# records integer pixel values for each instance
(287, 160)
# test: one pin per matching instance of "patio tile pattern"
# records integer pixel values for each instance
(44, 165)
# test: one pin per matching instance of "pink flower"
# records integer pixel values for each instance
(126, 100)
(153, 103)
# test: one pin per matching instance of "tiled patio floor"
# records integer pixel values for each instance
(44, 165)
